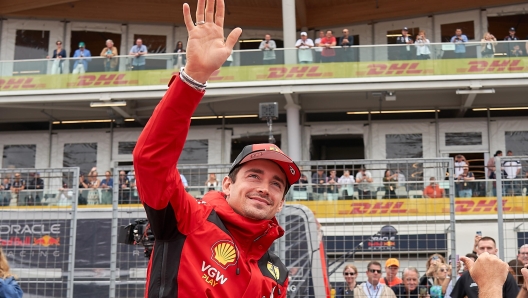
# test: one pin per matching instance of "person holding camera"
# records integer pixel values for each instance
(459, 40)
(217, 246)
(305, 45)
(487, 45)
(267, 46)
(422, 46)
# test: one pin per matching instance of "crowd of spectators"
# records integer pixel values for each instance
(436, 282)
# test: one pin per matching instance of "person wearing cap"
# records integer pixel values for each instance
(391, 278)
(346, 42)
(217, 246)
(83, 56)
(511, 36)
(305, 45)
(139, 50)
(35, 183)
(405, 40)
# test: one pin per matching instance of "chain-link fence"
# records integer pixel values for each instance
(38, 226)
(340, 213)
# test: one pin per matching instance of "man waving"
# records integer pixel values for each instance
(218, 246)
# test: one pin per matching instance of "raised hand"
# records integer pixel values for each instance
(206, 49)
(489, 272)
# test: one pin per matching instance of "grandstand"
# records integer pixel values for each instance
(379, 106)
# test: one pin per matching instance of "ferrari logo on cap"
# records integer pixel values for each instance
(292, 170)
(273, 148)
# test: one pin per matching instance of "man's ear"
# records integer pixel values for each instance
(226, 185)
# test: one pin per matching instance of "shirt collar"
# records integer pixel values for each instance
(369, 285)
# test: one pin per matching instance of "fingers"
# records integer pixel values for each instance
(220, 13)
(187, 17)
(233, 37)
(524, 272)
(468, 263)
(209, 11)
(200, 11)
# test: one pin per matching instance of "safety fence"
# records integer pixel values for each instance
(340, 213)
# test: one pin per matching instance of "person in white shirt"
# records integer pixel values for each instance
(346, 183)
(364, 181)
(318, 47)
(512, 170)
(422, 46)
(460, 162)
(372, 288)
(305, 45)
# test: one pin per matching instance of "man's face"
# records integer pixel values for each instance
(320, 172)
(486, 246)
(258, 192)
(122, 175)
(321, 34)
(392, 271)
(512, 33)
(303, 37)
(466, 169)
(346, 173)
(328, 33)
(459, 32)
(410, 280)
(374, 274)
(345, 32)
(333, 173)
(267, 37)
(509, 153)
(523, 255)
(107, 175)
(17, 177)
(405, 32)
(139, 42)
(433, 182)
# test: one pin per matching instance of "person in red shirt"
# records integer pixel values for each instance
(391, 278)
(328, 42)
(218, 246)
(433, 190)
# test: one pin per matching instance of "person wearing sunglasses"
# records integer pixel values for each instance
(350, 275)
(372, 288)
(440, 276)
(58, 54)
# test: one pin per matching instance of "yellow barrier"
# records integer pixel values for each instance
(413, 207)
(273, 72)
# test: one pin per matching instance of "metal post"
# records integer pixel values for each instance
(369, 136)
(73, 233)
(498, 175)
(50, 142)
(437, 132)
(113, 243)
(111, 141)
(489, 131)
(222, 142)
(452, 218)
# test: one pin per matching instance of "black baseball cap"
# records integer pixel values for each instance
(512, 29)
(405, 28)
(270, 152)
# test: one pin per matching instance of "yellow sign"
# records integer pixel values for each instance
(272, 72)
(413, 207)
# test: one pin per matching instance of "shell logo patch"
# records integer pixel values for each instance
(274, 270)
(224, 253)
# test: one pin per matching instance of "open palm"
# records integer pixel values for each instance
(206, 49)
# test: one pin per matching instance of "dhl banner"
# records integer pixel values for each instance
(413, 207)
(273, 72)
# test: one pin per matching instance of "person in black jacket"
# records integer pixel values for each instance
(347, 290)
(409, 288)
(405, 40)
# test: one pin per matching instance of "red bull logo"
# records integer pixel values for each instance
(46, 241)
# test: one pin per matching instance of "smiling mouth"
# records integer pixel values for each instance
(260, 199)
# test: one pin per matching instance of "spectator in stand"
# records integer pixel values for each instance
(440, 275)
(512, 170)
(268, 47)
(328, 43)
(305, 45)
(460, 162)
(409, 286)
(83, 56)
(319, 47)
(491, 171)
(350, 274)
(332, 182)
(346, 182)
(389, 182)
(83, 184)
(364, 181)
(433, 190)
(211, 183)
(511, 36)
(36, 183)
(487, 45)
(432, 264)
(459, 40)
(17, 185)
(124, 188)
(110, 53)
(405, 41)
(466, 285)
(464, 185)
(301, 183)
(401, 178)
(347, 51)
(180, 58)
(516, 51)
(58, 54)
(513, 51)
(319, 181)
(5, 195)
(391, 278)
(423, 52)
(107, 184)
(139, 50)
(9, 288)
(93, 194)
(372, 287)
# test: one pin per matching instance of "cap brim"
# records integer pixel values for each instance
(289, 168)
